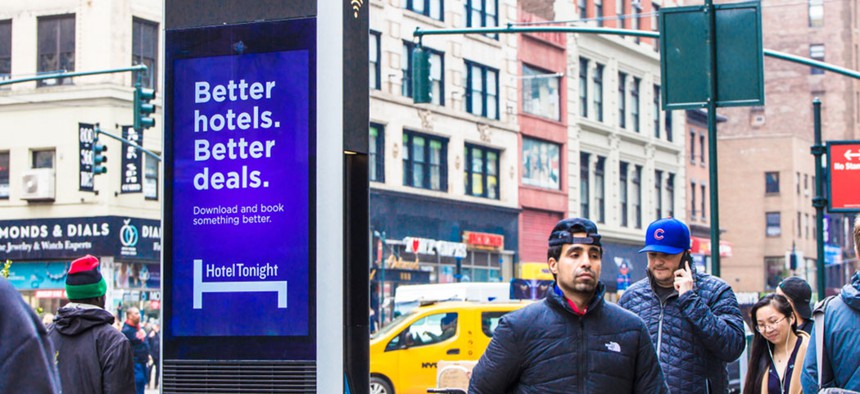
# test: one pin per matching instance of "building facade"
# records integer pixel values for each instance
(767, 174)
(444, 191)
(49, 214)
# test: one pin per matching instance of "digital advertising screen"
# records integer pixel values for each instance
(240, 198)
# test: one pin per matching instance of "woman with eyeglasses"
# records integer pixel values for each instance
(778, 348)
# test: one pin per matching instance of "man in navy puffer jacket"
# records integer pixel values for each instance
(572, 341)
(694, 319)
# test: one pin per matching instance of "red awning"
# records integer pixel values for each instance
(703, 246)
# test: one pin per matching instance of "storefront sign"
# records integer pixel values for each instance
(484, 240)
(86, 135)
(432, 246)
(844, 164)
(38, 275)
(242, 179)
(69, 238)
(51, 293)
(703, 246)
(534, 271)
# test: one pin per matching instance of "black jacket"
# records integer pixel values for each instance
(547, 348)
(140, 347)
(26, 357)
(92, 355)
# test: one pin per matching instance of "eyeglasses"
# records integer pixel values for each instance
(769, 325)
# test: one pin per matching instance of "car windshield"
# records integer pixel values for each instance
(394, 323)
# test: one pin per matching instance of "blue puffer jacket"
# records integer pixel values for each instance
(695, 334)
(841, 336)
(547, 348)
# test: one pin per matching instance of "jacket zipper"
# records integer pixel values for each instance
(660, 330)
(583, 351)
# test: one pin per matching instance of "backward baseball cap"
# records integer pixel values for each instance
(563, 232)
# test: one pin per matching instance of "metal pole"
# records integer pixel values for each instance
(712, 140)
(63, 74)
(382, 282)
(819, 201)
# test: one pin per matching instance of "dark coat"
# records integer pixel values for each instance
(696, 334)
(92, 356)
(138, 346)
(547, 348)
(154, 343)
(26, 355)
(841, 336)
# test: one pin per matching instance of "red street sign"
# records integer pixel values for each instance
(844, 165)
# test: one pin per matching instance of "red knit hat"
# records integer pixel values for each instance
(84, 279)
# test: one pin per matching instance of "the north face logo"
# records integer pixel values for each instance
(613, 346)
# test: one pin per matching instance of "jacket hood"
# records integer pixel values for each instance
(851, 292)
(74, 320)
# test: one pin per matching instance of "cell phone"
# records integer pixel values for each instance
(688, 258)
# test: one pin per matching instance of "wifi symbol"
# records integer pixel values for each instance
(356, 6)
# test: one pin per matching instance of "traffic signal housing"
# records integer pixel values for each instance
(143, 107)
(421, 83)
(99, 157)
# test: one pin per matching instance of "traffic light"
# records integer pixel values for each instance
(143, 108)
(99, 157)
(421, 83)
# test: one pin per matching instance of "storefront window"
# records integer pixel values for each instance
(541, 164)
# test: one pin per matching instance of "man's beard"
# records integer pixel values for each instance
(585, 287)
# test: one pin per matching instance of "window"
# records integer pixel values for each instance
(56, 47)
(816, 13)
(798, 183)
(598, 92)
(799, 225)
(692, 146)
(634, 104)
(374, 66)
(598, 12)
(655, 24)
(430, 8)
(482, 88)
(771, 181)
(619, 13)
(144, 50)
(702, 148)
(482, 172)
(489, 322)
(540, 93)
(584, 195)
(668, 125)
(776, 271)
(704, 198)
(772, 221)
(658, 192)
(599, 188)
(482, 13)
(4, 175)
(816, 52)
(425, 161)
(376, 150)
(637, 195)
(670, 194)
(806, 224)
(437, 77)
(426, 331)
(581, 5)
(622, 100)
(541, 164)
(583, 87)
(622, 195)
(43, 159)
(150, 178)
(656, 118)
(5, 48)
(692, 200)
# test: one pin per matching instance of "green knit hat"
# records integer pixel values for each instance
(84, 279)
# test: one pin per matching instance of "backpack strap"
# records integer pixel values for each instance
(825, 371)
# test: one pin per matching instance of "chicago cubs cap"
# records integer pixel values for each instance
(668, 235)
(563, 232)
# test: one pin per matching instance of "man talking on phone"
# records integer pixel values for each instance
(693, 318)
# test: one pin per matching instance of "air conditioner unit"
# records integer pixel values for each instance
(38, 184)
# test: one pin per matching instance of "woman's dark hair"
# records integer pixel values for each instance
(760, 355)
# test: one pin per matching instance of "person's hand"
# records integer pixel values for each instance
(684, 279)
(141, 335)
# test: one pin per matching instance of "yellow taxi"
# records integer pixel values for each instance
(404, 354)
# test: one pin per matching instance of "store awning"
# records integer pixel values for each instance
(703, 246)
